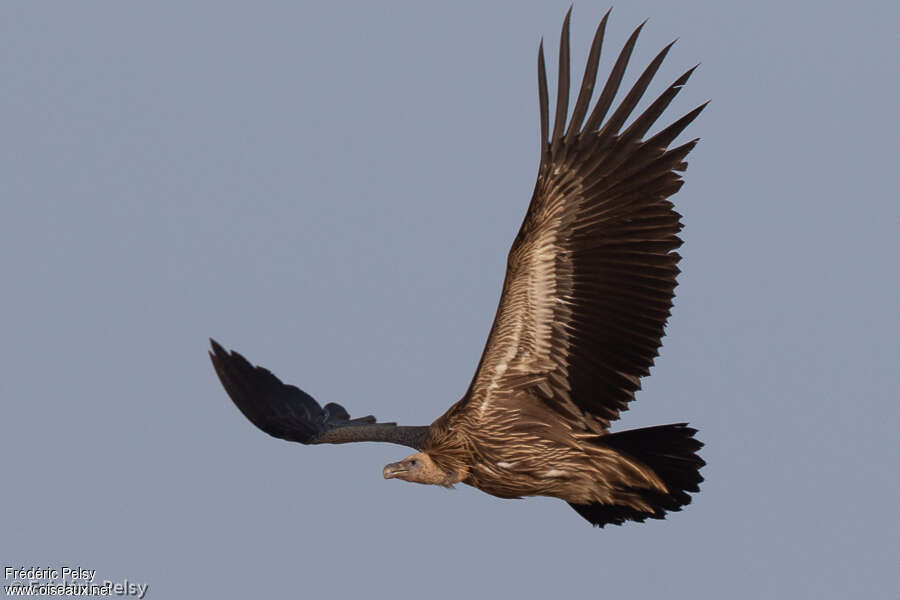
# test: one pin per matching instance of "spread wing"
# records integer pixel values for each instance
(287, 412)
(591, 274)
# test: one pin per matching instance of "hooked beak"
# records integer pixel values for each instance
(393, 470)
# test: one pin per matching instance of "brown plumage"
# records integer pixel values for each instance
(588, 289)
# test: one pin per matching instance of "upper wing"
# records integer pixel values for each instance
(289, 413)
(591, 274)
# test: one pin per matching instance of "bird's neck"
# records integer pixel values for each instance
(449, 452)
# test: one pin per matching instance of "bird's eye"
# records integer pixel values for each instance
(413, 462)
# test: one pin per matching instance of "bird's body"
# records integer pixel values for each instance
(518, 452)
(589, 286)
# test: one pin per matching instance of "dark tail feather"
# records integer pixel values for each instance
(670, 450)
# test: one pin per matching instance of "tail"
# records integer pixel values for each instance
(670, 450)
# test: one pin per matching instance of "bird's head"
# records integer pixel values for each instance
(418, 468)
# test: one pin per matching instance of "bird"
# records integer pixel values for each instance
(588, 291)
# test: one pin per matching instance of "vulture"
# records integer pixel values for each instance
(589, 284)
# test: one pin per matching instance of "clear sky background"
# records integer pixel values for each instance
(331, 189)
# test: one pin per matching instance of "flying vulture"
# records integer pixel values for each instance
(588, 290)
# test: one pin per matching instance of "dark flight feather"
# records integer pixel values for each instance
(543, 100)
(612, 84)
(562, 89)
(587, 86)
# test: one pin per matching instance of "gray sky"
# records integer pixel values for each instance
(331, 189)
